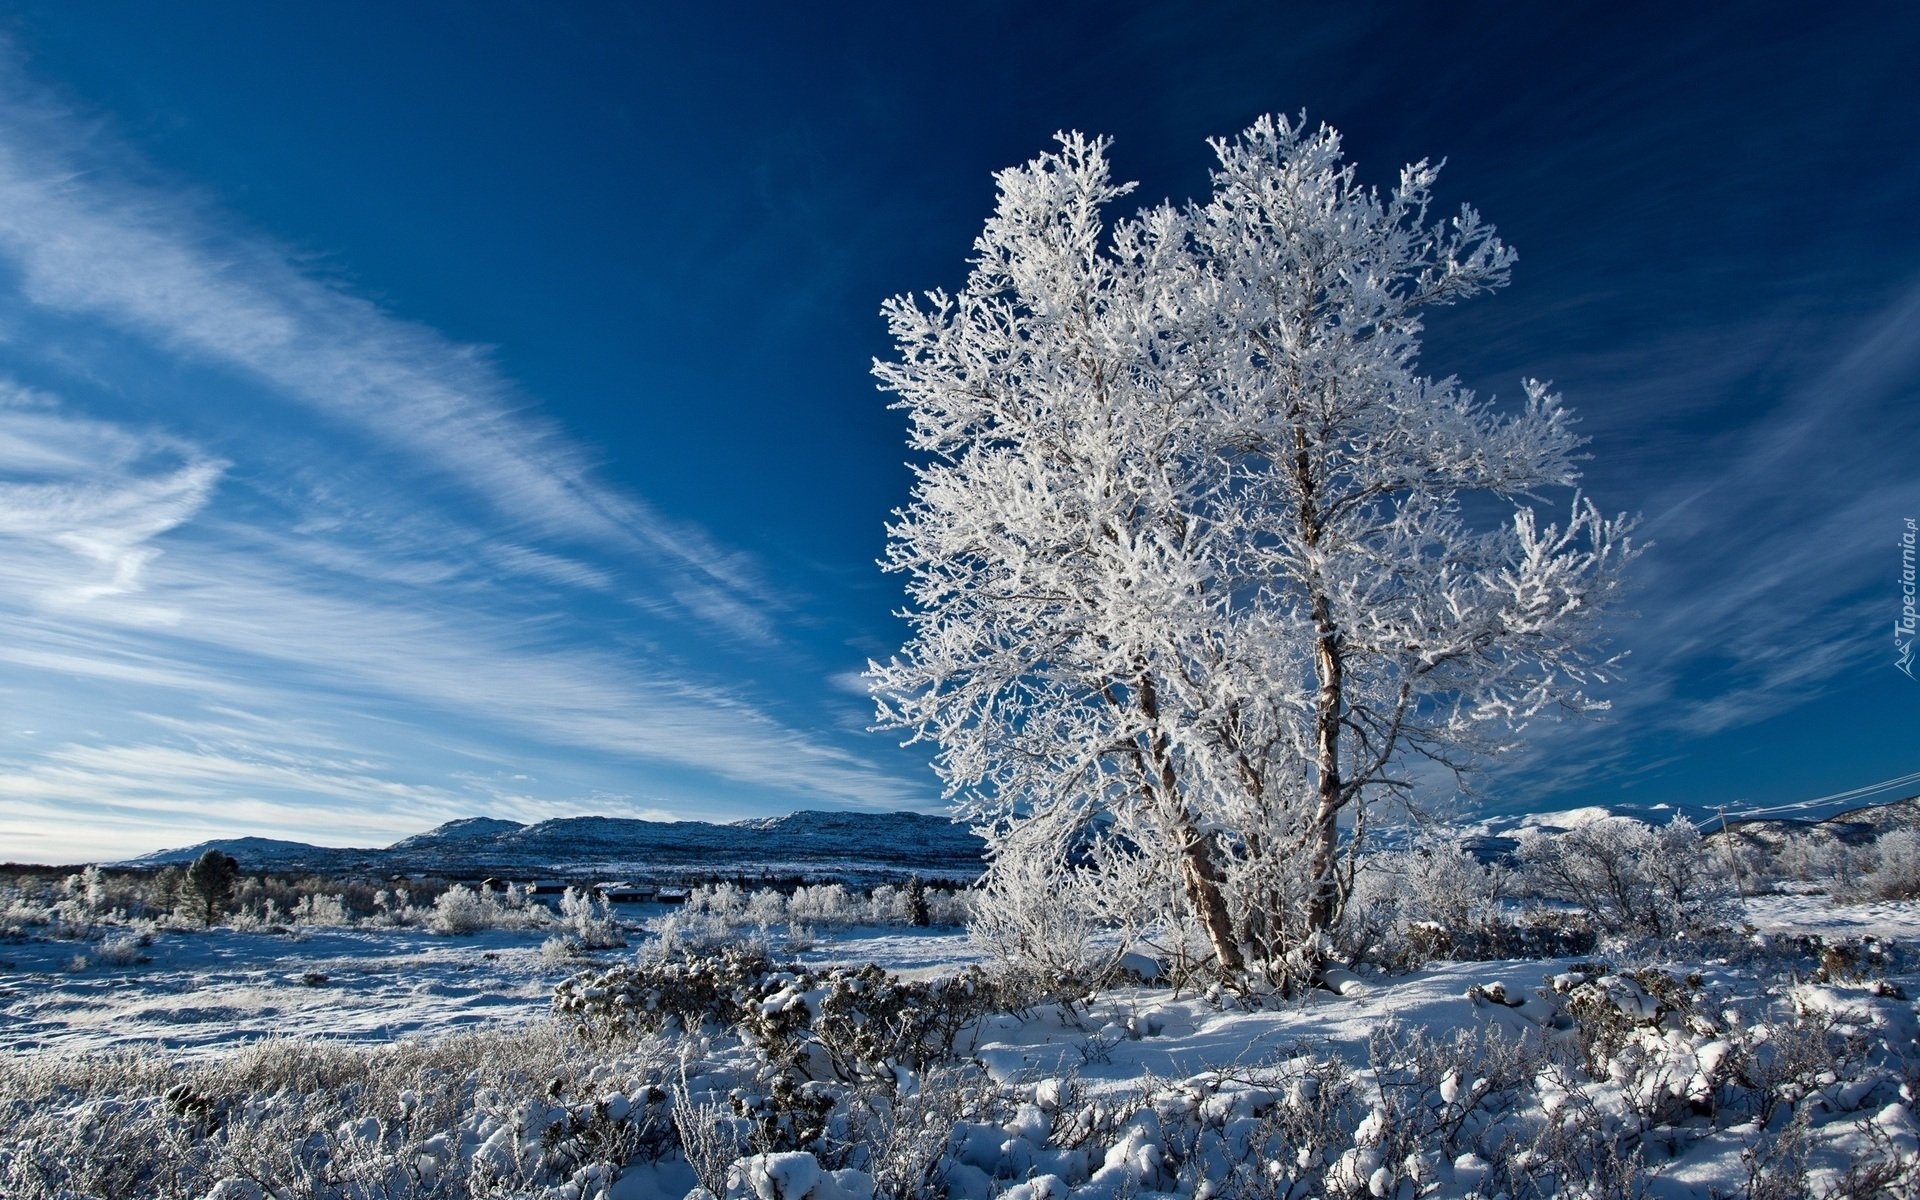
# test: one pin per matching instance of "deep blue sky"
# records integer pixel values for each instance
(411, 411)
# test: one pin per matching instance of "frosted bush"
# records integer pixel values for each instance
(950, 906)
(1632, 878)
(458, 910)
(1037, 910)
(1436, 901)
(461, 910)
(1893, 873)
(766, 908)
(590, 922)
(826, 904)
(328, 911)
(717, 913)
(18, 914)
(121, 950)
(689, 931)
(588, 925)
(887, 905)
(723, 900)
(526, 1112)
(1809, 860)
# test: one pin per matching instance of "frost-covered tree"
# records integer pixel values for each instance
(1188, 547)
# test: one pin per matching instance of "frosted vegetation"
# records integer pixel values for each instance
(1197, 602)
(108, 916)
(1521, 1028)
(1199, 561)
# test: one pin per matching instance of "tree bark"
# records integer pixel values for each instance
(1202, 878)
(1198, 871)
(1323, 901)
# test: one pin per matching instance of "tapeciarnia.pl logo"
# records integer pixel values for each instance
(1903, 628)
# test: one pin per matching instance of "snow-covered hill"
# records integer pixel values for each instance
(247, 851)
(853, 844)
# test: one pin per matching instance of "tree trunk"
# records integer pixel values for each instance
(1197, 868)
(1202, 877)
(1323, 901)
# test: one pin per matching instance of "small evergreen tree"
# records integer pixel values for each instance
(163, 892)
(917, 911)
(210, 881)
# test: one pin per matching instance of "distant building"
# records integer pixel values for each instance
(624, 893)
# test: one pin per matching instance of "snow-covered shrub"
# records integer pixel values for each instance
(691, 931)
(464, 910)
(18, 913)
(824, 905)
(905, 1138)
(1072, 916)
(122, 950)
(724, 900)
(1440, 1096)
(950, 907)
(1891, 872)
(712, 1138)
(868, 1023)
(1632, 878)
(718, 914)
(1432, 902)
(1610, 1010)
(531, 1111)
(323, 910)
(841, 1024)
(766, 908)
(687, 992)
(1808, 860)
(461, 910)
(590, 923)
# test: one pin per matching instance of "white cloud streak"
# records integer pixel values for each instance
(1766, 584)
(138, 574)
(85, 241)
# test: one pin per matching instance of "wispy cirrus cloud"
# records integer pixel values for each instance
(87, 239)
(83, 502)
(399, 583)
(1766, 584)
(249, 614)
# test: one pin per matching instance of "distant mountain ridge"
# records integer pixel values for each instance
(853, 845)
(850, 844)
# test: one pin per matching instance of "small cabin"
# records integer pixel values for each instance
(550, 887)
(672, 895)
(624, 893)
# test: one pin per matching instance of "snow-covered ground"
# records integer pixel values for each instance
(1188, 1083)
(203, 990)
(210, 989)
(1818, 914)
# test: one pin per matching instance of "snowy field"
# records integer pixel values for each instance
(206, 990)
(1132, 1091)
(203, 991)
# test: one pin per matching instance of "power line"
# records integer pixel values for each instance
(1885, 785)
